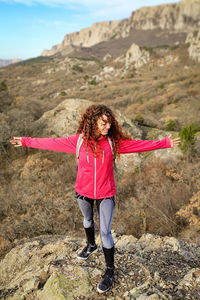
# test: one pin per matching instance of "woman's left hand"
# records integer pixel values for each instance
(174, 142)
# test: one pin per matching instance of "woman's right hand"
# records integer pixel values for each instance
(16, 141)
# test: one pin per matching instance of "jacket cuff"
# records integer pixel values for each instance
(23, 142)
(168, 144)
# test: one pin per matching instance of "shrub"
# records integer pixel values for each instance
(86, 77)
(132, 75)
(93, 81)
(170, 126)
(161, 86)
(3, 86)
(174, 101)
(77, 68)
(63, 93)
(187, 135)
(155, 77)
(139, 119)
(141, 101)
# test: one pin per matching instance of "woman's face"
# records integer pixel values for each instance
(103, 125)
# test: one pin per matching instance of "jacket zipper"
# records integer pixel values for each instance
(95, 174)
(103, 156)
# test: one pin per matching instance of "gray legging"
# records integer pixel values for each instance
(105, 209)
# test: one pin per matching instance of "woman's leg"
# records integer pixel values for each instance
(86, 207)
(105, 210)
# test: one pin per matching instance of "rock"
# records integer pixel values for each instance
(137, 56)
(193, 38)
(108, 69)
(169, 154)
(190, 279)
(126, 242)
(191, 211)
(172, 243)
(62, 120)
(145, 297)
(64, 286)
(150, 241)
(46, 268)
(107, 57)
(39, 81)
(181, 16)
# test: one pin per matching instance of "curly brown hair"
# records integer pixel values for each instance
(88, 126)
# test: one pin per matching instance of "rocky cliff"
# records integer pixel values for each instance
(180, 17)
(149, 268)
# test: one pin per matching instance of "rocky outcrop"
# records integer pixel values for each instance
(63, 119)
(182, 16)
(137, 56)
(193, 38)
(151, 267)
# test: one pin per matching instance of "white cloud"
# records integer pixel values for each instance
(102, 7)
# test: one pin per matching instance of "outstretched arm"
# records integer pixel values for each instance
(67, 144)
(132, 146)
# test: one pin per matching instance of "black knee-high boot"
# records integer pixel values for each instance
(90, 234)
(107, 279)
(91, 247)
(109, 256)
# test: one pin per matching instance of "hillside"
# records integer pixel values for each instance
(150, 79)
(152, 100)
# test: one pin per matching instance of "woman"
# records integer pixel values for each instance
(100, 139)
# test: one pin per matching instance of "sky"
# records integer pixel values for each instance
(27, 27)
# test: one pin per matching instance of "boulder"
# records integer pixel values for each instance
(193, 38)
(137, 56)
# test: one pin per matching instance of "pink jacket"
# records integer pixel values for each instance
(95, 178)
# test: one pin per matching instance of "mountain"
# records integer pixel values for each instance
(5, 62)
(176, 18)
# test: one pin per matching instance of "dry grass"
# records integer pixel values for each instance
(147, 201)
(36, 193)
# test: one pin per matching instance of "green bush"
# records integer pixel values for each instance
(93, 81)
(86, 77)
(174, 101)
(3, 86)
(77, 68)
(63, 93)
(139, 119)
(187, 135)
(161, 86)
(170, 126)
(132, 75)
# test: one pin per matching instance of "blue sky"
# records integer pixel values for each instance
(27, 27)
